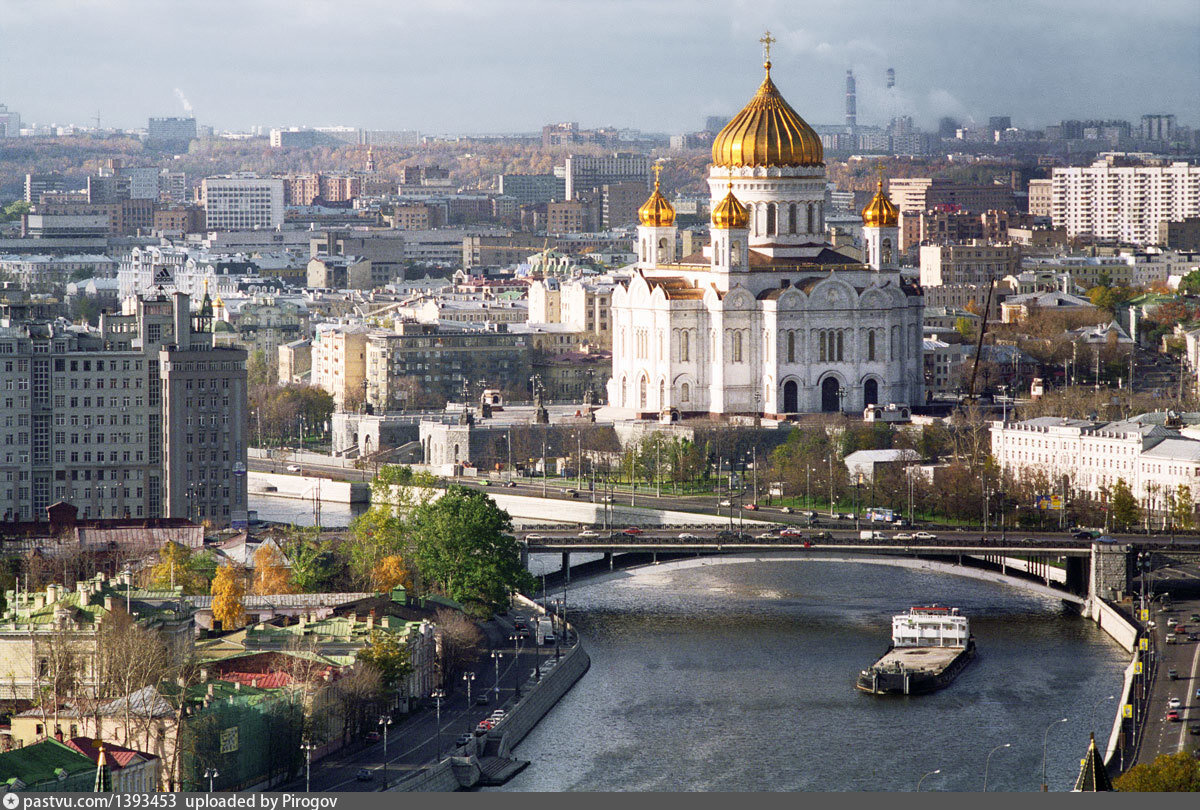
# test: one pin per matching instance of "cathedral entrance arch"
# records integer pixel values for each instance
(829, 395)
(791, 397)
(870, 392)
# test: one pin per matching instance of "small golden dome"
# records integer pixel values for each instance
(767, 132)
(730, 213)
(880, 213)
(656, 212)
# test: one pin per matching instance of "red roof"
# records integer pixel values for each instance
(116, 755)
(262, 680)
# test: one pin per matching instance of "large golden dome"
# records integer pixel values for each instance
(767, 132)
(730, 213)
(880, 212)
(656, 212)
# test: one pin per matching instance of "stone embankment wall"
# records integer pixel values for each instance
(280, 485)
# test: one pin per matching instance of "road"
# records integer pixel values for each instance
(413, 741)
(1163, 736)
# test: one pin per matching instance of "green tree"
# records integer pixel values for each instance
(314, 565)
(464, 546)
(258, 369)
(1190, 284)
(1123, 506)
(1183, 507)
(1169, 773)
(179, 565)
(388, 656)
(14, 210)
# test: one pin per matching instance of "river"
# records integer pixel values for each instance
(740, 677)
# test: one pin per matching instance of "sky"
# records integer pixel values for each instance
(475, 66)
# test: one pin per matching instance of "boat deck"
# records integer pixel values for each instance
(917, 659)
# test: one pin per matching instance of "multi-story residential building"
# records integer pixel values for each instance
(585, 172)
(85, 421)
(242, 202)
(386, 249)
(532, 189)
(619, 203)
(923, 193)
(1124, 203)
(1154, 459)
(295, 362)
(179, 220)
(259, 323)
(10, 122)
(38, 184)
(947, 227)
(943, 365)
(466, 309)
(498, 251)
(339, 362)
(1041, 198)
(580, 304)
(577, 216)
(165, 132)
(1181, 235)
(58, 270)
(342, 273)
(434, 361)
(146, 268)
(975, 262)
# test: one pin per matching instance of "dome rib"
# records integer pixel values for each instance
(767, 132)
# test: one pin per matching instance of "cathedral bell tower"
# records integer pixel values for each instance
(730, 233)
(656, 231)
(881, 233)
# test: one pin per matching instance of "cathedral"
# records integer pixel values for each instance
(767, 320)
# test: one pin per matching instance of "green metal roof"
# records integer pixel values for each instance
(43, 761)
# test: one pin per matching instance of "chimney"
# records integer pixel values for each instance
(371, 620)
(109, 604)
(84, 592)
(237, 686)
(210, 690)
(39, 601)
(353, 618)
(203, 674)
(51, 594)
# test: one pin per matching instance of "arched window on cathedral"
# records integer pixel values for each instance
(642, 393)
(886, 253)
(737, 347)
(824, 355)
(624, 393)
(870, 344)
(662, 394)
(685, 393)
(662, 250)
(839, 344)
(772, 212)
(735, 254)
(810, 219)
(684, 346)
(791, 347)
(792, 218)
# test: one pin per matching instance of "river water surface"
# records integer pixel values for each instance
(738, 677)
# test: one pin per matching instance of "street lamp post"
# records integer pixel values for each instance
(1046, 736)
(210, 774)
(922, 779)
(437, 695)
(468, 678)
(496, 654)
(988, 763)
(516, 640)
(1097, 708)
(308, 749)
(385, 721)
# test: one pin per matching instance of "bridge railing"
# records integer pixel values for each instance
(735, 538)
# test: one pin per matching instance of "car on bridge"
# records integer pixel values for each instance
(1083, 534)
(511, 484)
(687, 536)
(534, 537)
(925, 536)
(725, 503)
(632, 531)
(589, 533)
(789, 532)
(751, 506)
(463, 739)
(787, 510)
(363, 775)
(902, 536)
(767, 536)
(293, 468)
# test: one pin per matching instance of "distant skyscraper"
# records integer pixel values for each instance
(891, 78)
(851, 107)
(1154, 127)
(170, 131)
(999, 123)
(10, 122)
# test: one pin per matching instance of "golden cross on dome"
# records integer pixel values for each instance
(766, 39)
(657, 171)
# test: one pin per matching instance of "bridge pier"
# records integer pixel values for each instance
(656, 558)
(566, 565)
(608, 558)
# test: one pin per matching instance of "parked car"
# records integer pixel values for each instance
(1174, 703)
(486, 725)
(511, 484)
(462, 740)
(632, 531)
(482, 699)
(1173, 674)
(1083, 534)
(767, 536)
(687, 536)
(293, 468)
(589, 533)
(570, 493)
(363, 775)
(925, 536)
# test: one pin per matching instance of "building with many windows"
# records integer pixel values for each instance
(1124, 203)
(242, 202)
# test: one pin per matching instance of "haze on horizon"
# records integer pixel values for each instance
(471, 66)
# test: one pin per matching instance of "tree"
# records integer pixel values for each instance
(1123, 506)
(178, 565)
(461, 641)
(390, 573)
(1169, 773)
(464, 545)
(314, 565)
(228, 590)
(258, 369)
(1183, 507)
(271, 573)
(1190, 284)
(388, 656)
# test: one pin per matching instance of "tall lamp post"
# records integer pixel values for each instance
(1045, 736)
(308, 749)
(516, 640)
(437, 695)
(922, 779)
(210, 774)
(468, 679)
(496, 654)
(385, 721)
(988, 763)
(1096, 708)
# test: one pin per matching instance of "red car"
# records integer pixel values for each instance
(1173, 716)
(751, 506)
(486, 725)
(790, 533)
(632, 531)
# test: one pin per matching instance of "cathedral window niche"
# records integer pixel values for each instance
(886, 253)
(662, 250)
(735, 254)
(810, 219)
(772, 212)
(685, 393)
(791, 347)
(839, 344)
(624, 393)
(737, 347)
(684, 346)
(662, 393)
(792, 218)
(871, 344)
(642, 393)
(824, 355)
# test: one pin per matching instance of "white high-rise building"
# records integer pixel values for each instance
(1124, 203)
(768, 319)
(242, 203)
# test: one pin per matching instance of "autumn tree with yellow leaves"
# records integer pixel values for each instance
(271, 572)
(228, 590)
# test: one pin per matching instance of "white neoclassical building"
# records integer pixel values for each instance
(768, 318)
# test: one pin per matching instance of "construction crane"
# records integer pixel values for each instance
(987, 307)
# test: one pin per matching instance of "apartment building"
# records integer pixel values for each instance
(533, 189)
(242, 202)
(1041, 198)
(339, 362)
(1124, 203)
(59, 270)
(585, 172)
(975, 262)
(83, 418)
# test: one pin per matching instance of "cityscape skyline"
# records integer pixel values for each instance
(479, 55)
